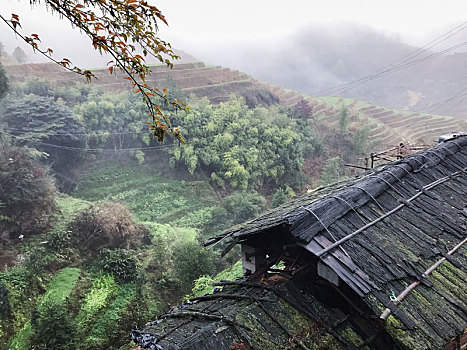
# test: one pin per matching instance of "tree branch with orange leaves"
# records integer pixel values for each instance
(126, 30)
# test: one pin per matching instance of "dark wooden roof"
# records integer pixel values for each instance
(390, 225)
(255, 316)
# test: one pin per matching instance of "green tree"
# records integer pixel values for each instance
(3, 80)
(343, 119)
(303, 109)
(235, 209)
(331, 171)
(243, 148)
(48, 125)
(281, 196)
(190, 262)
(122, 113)
(361, 140)
(53, 326)
(27, 192)
(19, 55)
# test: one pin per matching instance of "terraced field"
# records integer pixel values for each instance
(388, 127)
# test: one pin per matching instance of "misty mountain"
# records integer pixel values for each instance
(319, 58)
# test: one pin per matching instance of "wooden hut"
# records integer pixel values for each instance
(378, 261)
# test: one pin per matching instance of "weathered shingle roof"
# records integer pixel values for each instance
(393, 224)
(259, 317)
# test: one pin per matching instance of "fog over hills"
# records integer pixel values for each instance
(318, 59)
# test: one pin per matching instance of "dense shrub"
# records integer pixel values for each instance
(235, 209)
(190, 262)
(3, 81)
(27, 192)
(281, 196)
(51, 123)
(331, 171)
(103, 290)
(53, 326)
(109, 225)
(120, 263)
(4, 302)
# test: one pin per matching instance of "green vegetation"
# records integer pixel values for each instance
(204, 284)
(27, 191)
(243, 148)
(331, 171)
(184, 255)
(121, 244)
(3, 81)
(149, 191)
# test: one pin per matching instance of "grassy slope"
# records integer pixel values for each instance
(136, 187)
(152, 191)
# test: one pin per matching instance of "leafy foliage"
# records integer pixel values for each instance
(46, 124)
(53, 326)
(120, 263)
(121, 113)
(331, 171)
(303, 109)
(3, 81)
(235, 209)
(343, 119)
(19, 55)
(204, 284)
(103, 290)
(4, 302)
(361, 141)
(26, 190)
(243, 148)
(104, 333)
(151, 192)
(186, 271)
(281, 196)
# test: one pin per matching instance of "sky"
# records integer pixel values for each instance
(204, 27)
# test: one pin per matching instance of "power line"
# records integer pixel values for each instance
(396, 69)
(104, 133)
(439, 104)
(89, 149)
(399, 64)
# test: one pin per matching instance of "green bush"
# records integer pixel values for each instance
(4, 302)
(243, 148)
(281, 196)
(332, 171)
(37, 260)
(53, 326)
(204, 284)
(103, 290)
(120, 263)
(27, 192)
(190, 262)
(235, 209)
(110, 331)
